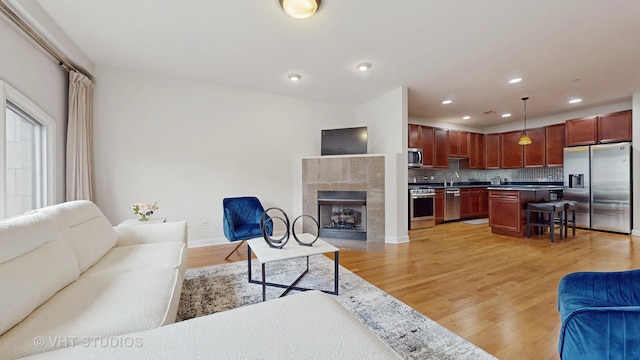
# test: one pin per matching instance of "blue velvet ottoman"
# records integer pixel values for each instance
(600, 314)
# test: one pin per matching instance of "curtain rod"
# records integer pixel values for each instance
(43, 43)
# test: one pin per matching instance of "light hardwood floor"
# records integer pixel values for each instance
(496, 291)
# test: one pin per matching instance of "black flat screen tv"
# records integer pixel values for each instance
(348, 141)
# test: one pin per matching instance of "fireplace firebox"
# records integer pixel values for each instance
(343, 214)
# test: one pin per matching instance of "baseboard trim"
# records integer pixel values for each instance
(396, 239)
(635, 232)
(205, 242)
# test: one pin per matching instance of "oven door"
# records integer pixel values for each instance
(422, 211)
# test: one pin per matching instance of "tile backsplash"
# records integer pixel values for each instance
(523, 174)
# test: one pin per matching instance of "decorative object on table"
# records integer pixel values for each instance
(241, 219)
(144, 210)
(293, 230)
(266, 221)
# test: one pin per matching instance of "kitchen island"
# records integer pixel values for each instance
(508, 206)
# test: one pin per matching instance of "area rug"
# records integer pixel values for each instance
(476, 221)
(412, 335)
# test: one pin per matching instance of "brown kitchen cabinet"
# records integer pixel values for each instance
(555, 144)
(614, 127)
(421, 137)
(534, 153)
(441, 148)
(439, 205)
(581, 131)
(428, 146)
(492, 153)
(511, 151)
(463, 148)
(414, 136)
(484, 203)
(465, 203)
(454, 143)
(507, 211)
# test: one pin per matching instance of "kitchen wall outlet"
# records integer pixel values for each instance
(206, 223)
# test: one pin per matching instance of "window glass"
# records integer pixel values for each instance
(24, 181)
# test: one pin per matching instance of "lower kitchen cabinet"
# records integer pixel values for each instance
(507, 211)
(465, 203)
(439, 204)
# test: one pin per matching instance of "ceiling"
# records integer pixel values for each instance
(439, 49)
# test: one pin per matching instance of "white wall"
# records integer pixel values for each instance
(386, 119)
(38, 77)
(187, 145)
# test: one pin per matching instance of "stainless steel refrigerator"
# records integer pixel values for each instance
(598, 177)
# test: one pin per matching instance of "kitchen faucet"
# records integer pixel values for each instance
(457, 177)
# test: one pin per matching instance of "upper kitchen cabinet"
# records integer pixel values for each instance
(441, 148)
(511, 150)
(555, 143)
(492, 153)
(581, 131)
(464, 144)
(454, 143)
(428, 146)
(534, 153)
(614, 127)
(414, 136)
(476, 150)
(421, 137)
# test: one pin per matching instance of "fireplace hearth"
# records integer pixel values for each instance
(343, 214)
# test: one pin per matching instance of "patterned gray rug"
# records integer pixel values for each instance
(412, 335)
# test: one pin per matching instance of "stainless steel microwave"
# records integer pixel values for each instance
(414, 157)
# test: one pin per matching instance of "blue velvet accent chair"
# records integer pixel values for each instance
(241, 219)
(600, 314)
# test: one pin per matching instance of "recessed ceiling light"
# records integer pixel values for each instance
(574, 101)
(506, 115)
(363, 66)
(466, 117)
(447, 102)
(515, 80)
(294, 77)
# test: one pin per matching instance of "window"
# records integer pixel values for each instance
(26, 154)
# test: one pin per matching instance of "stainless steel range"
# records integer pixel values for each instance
(422, 212)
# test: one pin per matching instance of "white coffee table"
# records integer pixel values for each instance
(291, 250)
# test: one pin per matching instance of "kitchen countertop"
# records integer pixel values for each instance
(521, 186)
(527, 187)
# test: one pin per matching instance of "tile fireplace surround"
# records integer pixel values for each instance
(347, 173)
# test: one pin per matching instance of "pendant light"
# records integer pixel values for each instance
(524, 138)
(300, 9)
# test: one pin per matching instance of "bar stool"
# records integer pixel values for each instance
(570, 206)
(546, 214)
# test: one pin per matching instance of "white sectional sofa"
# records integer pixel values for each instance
(74, 287)
(66, 274)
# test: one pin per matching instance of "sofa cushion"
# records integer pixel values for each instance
(308, 325)
(165, 255)
(94, 307)
(21, 234)
(85, 229)
(28, 281)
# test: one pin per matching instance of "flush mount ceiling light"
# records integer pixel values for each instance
(506, 115)
(574, 101)
(363, 66)
(447, 102)
(294, 77)
(300, 9)
(466, 117)
(515, 80)
(524, 138)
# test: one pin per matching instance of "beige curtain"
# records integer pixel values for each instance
(79, 176)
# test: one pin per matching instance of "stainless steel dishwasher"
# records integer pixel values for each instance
(451, 204)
